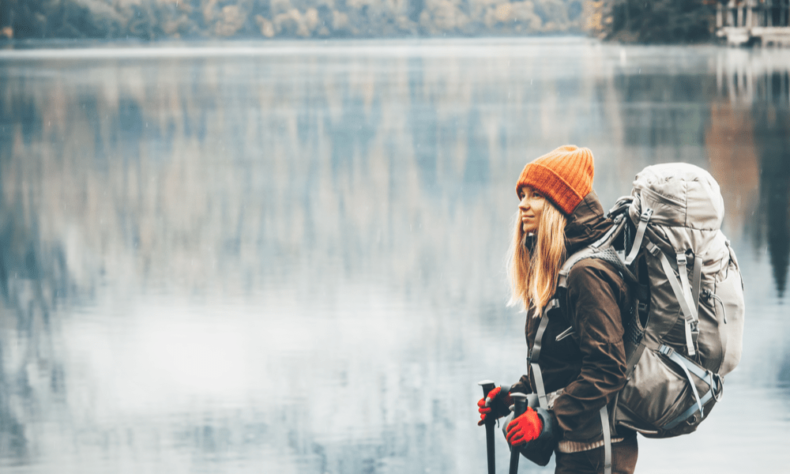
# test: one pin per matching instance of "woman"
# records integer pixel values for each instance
(559, 214)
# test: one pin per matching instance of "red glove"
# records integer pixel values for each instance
(495, 405)
(524, 428)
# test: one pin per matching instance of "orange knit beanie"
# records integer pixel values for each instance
(563, 175)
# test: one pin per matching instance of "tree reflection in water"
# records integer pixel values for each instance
(773, 124)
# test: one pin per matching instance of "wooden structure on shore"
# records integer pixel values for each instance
(747, 22)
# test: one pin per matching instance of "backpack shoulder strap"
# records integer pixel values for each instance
(600, 249)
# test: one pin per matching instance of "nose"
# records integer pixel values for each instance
(523, 205)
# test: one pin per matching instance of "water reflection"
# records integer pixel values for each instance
(295, 262)
(773, 125)
(757, 89)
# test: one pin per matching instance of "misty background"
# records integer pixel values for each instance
(248, 236)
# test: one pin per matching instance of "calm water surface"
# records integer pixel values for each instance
(290, 258)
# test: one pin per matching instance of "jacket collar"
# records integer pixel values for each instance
(586, 224)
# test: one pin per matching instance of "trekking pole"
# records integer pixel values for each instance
(487, 387)
(520, 402)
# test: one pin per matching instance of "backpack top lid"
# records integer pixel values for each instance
(680, 195)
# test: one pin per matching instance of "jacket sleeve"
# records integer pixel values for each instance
(594, 290)
(522, 386)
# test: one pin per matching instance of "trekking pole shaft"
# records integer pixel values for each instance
(487, 387)
(490, 447)
(520, 401)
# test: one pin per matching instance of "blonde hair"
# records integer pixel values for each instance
(533, 278)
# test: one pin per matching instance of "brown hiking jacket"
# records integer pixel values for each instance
(590, 364)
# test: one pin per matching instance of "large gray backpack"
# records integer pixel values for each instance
(684, 333)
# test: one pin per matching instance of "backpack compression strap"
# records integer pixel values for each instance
(683, 291)
(640, 235)
(689, 367)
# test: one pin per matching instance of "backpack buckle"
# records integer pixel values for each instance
(653, 249)
(553, 304)
(562, 281)
(681, 259)
(694, 326)
(719, 386)
(646, 215)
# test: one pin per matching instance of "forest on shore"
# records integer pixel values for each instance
(663, 21)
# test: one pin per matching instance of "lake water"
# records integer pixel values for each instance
(289, 257)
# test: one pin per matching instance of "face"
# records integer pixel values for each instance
(530, 208)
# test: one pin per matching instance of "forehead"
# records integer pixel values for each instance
(525, 189)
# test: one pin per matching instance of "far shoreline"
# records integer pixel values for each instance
(245, 47)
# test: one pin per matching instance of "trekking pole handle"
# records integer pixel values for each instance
(487, 385)
(520, 402)
(520, 406)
